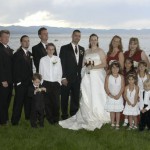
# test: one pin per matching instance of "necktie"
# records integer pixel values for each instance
(143, 94)
(7, 46)
(27, 53)
(76, 50)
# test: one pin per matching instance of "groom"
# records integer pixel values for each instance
(71, 56)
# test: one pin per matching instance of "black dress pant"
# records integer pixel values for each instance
(72, 89)
(52, 101)
(144, 120)
(20, 100)
(37, 116)
(9, 99)
(5, 97)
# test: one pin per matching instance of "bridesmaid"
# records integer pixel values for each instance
(115, 52)
(135, 52)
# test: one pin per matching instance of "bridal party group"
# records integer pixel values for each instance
(76, 88)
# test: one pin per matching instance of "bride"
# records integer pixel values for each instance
(91, 113)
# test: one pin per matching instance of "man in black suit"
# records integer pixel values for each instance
(71, 56)
(5, 75)
(22, 75)
(39, 50)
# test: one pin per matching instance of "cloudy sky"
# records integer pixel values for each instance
(101, 14)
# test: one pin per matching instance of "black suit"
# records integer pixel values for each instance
(144, 117)
(37, 106)
(72, 72)
(5, 75)
(38, 51)
(22, 72)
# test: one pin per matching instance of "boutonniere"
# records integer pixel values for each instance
(54, 62)
(81, 52)
(31, 57)
(135, 64)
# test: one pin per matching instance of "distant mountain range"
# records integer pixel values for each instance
(57, 30)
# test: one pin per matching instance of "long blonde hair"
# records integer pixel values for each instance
(135, 40)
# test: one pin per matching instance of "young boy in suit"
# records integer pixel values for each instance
(145, 106)
(36, 94)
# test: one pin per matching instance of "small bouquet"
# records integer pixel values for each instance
(89, 62)
(89, 65)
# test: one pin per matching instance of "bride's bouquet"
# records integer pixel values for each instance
(89, 63)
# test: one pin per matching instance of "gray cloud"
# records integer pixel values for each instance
(109, 13)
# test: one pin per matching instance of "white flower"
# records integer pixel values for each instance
(31, 57)
(135, 63)
(89, 61)
(39, 89)
(111, 62)
(81, 52)
(54, 62)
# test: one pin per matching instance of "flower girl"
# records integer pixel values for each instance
(131, 96)
(114, 86)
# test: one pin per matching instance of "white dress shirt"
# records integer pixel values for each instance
(25, 50)
(50, 69)
(5, 45)
(44, 45)
(76, 55)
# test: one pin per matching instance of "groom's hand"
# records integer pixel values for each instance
(64, 82)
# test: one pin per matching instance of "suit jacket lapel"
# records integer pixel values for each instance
(24, 54)
(73, 54)
(7, 50)
(43, 49)
(27, 58)
(81, 54)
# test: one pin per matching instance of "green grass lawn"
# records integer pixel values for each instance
(53, 137)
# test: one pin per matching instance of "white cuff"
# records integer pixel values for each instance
(18, 83)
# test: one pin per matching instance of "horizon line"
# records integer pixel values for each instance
(76, 28)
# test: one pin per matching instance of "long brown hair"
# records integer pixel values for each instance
(133, 76)
(120, 47)
(131, 61)
(117, 64)
(52, 44)
(135, 40)
(90, 38)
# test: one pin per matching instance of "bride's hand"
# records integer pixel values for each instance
(89, 67)
(116, 97)
(110, 95)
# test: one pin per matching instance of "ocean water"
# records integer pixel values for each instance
(104, 40)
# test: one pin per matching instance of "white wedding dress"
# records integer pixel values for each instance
(91, 113)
